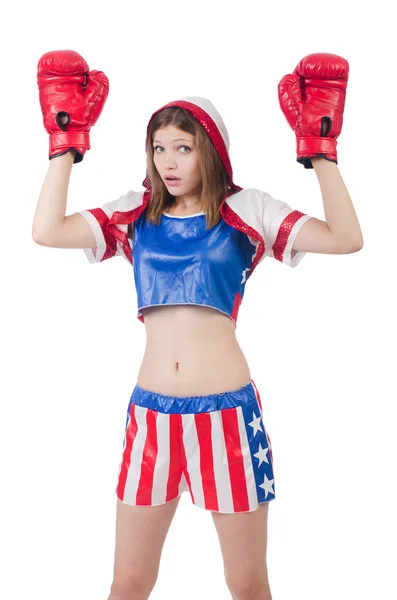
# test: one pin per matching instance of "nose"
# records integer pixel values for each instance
(169, 162)
(168, 159)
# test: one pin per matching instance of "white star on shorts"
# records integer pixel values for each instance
(256, 423)
(261, 454)
(267, 485)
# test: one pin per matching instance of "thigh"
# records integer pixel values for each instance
(243, 541)
(140, 536)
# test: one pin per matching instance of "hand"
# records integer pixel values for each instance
(72, 98)
(312, 99)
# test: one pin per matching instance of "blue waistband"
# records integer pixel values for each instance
(193, 404)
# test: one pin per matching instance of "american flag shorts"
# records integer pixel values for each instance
(214, 446)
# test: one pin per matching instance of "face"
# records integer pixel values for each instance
(175, 154)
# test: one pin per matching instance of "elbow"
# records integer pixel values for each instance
(35, 238)
(39, 239)
(359, 245)
(354, 247)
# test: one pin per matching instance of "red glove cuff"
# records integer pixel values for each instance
(315, 145)
(63, 141)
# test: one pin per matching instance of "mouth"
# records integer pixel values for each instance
(171, 178)
(172, 181)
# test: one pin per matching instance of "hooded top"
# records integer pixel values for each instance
(179, 261)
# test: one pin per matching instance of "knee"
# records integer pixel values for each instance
(134, 589)
(249, 586)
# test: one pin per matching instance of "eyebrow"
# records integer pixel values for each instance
(177, 140)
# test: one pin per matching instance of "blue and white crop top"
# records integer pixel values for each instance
(179, 261)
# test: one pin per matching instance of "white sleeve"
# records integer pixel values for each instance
(281, 224)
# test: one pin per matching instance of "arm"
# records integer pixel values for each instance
(340, 233)
(50, 226)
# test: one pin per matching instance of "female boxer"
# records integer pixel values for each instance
(193, 238)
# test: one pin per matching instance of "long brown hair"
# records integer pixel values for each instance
(215, 180)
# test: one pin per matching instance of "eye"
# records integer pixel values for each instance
(155, 148)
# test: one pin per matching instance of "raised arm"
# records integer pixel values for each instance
(71, 98)
(50, 225)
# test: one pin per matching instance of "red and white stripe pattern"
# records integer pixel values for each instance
(222, 457)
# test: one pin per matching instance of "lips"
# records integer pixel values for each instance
(172, 178)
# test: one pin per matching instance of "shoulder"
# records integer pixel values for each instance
(252, 204)
(125, 203)
(247, 200)
(248, 205)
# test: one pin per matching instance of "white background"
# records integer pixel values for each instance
(319, 339)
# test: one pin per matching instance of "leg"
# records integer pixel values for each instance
(243, 540)
(140, 536)
(148, 491)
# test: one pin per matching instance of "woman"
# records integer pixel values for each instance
(194, 420)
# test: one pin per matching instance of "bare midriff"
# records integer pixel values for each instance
(191, 351)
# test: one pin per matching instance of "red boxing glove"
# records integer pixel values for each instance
(68, 89)
(312, 99)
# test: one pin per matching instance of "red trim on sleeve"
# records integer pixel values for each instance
(284, 232)
(112, 233)
(103, 219)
